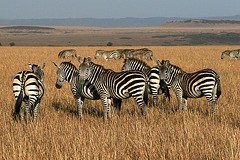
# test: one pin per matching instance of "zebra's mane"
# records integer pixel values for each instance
(69, 64)
(134, 60)
(99, 67)
(173, 66)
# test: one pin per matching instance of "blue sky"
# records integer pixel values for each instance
(35, 9)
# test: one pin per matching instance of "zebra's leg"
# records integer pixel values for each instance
(141, 104)
(185, 103)
(109, 108)
(79, 102)
(36, 110)
(105, 106)
(155, 99)
(214, 106)
(179, 97)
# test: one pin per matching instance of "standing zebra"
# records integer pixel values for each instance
(67, 53)
(156, 87)
(205, 82)
(68, 72)
(231, 53)
(110, 84)
(28, 87)
(108, 54)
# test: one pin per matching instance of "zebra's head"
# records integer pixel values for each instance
(126, 66)
(38, 70)
(84, 69)
(61, 76)
(163, 69)
(225, 53)
(98, 53)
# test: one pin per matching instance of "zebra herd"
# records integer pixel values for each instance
(137, 79)
(143, 53)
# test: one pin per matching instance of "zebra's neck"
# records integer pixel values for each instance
(96, 71)
(140, 66)
(173, 72)
(70, 71)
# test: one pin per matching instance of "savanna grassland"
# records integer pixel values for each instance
(164, 134)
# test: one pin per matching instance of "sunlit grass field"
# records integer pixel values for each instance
(164, 134)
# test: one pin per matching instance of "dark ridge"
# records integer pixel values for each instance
(28, 28)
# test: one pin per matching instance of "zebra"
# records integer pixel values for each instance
(205, 82)
(143, 53)
(108, 54)
(28, 87)
(156, 87)
(125, 53)
(67, 53)
(68, 72)
(110, 84)
(231, 53)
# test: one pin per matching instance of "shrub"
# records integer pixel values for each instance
(109, 44)
(12, 44)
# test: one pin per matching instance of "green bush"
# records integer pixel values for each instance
(12, 44)
(109, 44)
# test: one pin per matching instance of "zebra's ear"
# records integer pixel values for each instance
(158, 63)
(56, 64)
(88, 59)
(44, 64)
(167, 62)
(80, 59)
(30, 66)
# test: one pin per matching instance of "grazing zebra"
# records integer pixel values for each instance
(231, 53)
(67, 53)
(125, 52)
(68, 72)
(205, 82)
(119, 85)
(155, 86)
(143, 53)
(108, 54)
(28, 87)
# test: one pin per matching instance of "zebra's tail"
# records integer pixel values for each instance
(145, 96)
(18, 105)
(217, 88)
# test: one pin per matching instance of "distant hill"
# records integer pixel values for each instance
(203, 23)
(103, 22)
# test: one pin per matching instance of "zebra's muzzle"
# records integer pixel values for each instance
(58, 86)
(82, 81)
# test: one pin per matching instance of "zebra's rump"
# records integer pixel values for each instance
(123, 85)
(30, 85)
(199, 83)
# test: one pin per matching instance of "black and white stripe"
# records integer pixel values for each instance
(68, 72)
(28, 87)
(156, 87)
(205, 82)
(119, 85)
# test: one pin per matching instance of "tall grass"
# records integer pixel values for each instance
(164, 134)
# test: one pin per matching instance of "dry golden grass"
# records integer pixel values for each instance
(165, 134)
